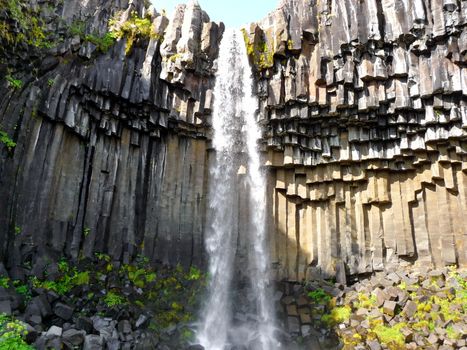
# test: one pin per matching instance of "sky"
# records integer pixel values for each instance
(234, 13)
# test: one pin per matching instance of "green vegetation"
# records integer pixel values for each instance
(194, 274)
(112, 299)
(25, 26)
(7, 141)
(4, 282)
(86, 231)
(22, 289)
(172, 293)
(337, 315)
(391, 336)
(12, 333)
(435, 306)
(319, 296)
(259, 53)
(77, 28)
(69, 278)
(364, 301)
(103, 43)
(14, 83)
(134, 29)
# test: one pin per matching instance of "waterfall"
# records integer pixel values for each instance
(235, 137)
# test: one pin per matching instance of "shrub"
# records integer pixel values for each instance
(12, 333)
(14, 83)
(319, 296)
(7, 141)
(135, 28)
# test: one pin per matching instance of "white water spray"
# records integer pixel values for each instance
(236, 133)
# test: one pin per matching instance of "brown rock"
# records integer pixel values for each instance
(408, 334)
(389, 307)
(292, 310)
(433, 339)
(410, 308)
(381, 296)
(373, 345)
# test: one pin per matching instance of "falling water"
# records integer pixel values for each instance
(235, 143)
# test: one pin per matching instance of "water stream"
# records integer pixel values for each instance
(236, 212)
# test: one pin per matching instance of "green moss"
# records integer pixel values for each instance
(26, 26)
(69, 279)
(86, 231)
(77, 28)
(337, 315)
(452, 334)
(13, 82)
(364, 301)
(103, 43)
(174, 57)
(4, 282)
(134, 29)
(194, 274)
(7, 141)
(390, 335)
(112, 299)
(259, 53)
(319, 296)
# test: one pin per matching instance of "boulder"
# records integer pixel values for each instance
(63, 311)
(74, 337)
(54, 331)
(93, 342)
(389, 307)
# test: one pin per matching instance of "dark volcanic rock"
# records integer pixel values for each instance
(63, 311)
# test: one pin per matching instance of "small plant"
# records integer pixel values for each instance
(194, 274)
(70, 278)
(4, 282)
(13, 82)
(7, 141)
(319, 296)
(338, 315)
(50, 82)
(17, 230)
(86, 231)
(103, 43)
(77, 28)
(22, 289)
(12, 333)
(112, 299)
(133, 29)
(390, 335)
(102, 257)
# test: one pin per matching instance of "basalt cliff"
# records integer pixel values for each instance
(362, 105)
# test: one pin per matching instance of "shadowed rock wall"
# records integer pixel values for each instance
(364, 112)
(111, 151)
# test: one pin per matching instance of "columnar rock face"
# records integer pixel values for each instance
(364, 112)
(111, 151)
